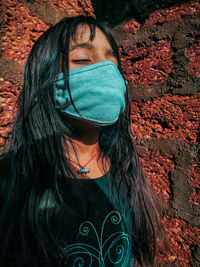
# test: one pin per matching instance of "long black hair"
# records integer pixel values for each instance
(38, 169)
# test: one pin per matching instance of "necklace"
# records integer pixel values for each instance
(83, 169)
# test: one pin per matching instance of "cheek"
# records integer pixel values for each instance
(72, 66)
(114, 60)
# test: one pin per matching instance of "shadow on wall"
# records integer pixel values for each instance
(117, 11)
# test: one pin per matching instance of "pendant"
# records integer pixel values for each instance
(83, 170)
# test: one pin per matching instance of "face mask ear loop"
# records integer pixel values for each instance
(127, 100)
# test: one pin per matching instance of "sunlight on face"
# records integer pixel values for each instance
(85, 52)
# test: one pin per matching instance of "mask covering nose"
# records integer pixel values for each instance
(97, 91)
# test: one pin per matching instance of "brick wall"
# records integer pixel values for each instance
(160, 52)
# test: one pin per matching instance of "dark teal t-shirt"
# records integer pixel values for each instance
(101, 238)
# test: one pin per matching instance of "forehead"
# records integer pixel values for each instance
(83, 33)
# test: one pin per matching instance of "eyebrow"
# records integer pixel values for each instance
(82, 45)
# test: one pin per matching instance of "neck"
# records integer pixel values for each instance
(85, 137)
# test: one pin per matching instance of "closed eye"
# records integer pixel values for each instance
(81, 60)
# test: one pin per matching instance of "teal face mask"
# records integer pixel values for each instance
(97, 91)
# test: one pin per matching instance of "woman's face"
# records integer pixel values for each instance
(84, 52)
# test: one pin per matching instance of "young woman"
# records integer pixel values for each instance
(72, 189)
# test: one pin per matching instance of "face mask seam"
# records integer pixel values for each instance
(92, 68)
(82, 71)
(97, 121)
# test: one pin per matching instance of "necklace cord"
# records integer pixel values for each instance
(83, 166)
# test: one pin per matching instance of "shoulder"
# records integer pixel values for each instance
(4, 163)
(4, 176)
